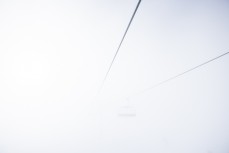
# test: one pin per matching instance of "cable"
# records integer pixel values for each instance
(180, 74)
(119, 46)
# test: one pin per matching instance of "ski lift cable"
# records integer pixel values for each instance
(119, 46)
(178, 75)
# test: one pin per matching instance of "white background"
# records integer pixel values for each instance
(54, 56)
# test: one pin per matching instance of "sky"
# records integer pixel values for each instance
(54, 56)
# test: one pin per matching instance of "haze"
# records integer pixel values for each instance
(55, 54)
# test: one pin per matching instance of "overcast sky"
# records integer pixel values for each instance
(55, 54)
